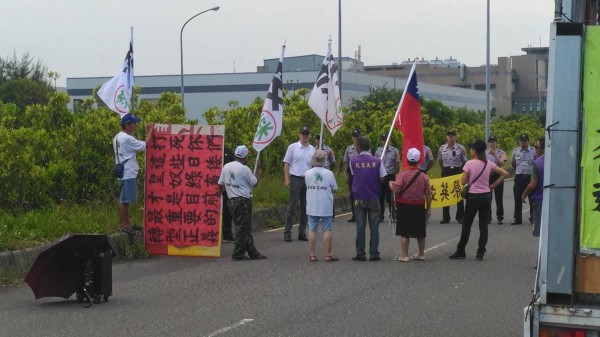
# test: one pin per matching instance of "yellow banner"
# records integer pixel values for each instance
(446, 191)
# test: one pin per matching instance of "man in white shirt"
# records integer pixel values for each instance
(295, 164)
(320, 186)
(125, 147)
(237, 180)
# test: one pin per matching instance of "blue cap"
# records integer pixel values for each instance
(129, 118)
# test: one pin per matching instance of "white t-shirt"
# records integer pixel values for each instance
(238, 180)
(320, 185)
(127, 147)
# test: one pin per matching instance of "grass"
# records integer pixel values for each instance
(41, 227)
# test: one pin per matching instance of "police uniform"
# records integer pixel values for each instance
(522, 159)
(452, 159)
(498, 192)
(390, 162)
(348, 155)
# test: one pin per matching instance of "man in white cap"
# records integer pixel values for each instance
(320, 186)
(237, 180)
(125, 146)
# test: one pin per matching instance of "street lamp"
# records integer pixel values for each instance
(181, 48)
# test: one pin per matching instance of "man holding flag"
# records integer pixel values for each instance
(325, 98)
(118, 92)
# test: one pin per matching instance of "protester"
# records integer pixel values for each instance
(350, 153)
(368, 174)
(226, 227)
(522, 159)
(320, 186)
(391, 163)
(451, 157)
(237, 180)
(125, 146)
(413, 202)
(535, 189)
(428, 163)
(477, 175)
(498, 157)
(295, 164)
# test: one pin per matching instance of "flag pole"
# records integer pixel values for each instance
(132, 91)
(412, 70)
(321, 138)
(256, 163)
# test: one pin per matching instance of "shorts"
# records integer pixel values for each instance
(128, 191)
(313, 223)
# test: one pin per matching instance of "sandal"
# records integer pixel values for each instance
(402, 259)
(313, 258)
(331, 258)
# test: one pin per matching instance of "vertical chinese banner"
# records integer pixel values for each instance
(182, 212)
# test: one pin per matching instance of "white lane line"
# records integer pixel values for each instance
(281, 228)
(441, 244)
(227, 328)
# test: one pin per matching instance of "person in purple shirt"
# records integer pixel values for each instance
(535, 189)
(367, 173)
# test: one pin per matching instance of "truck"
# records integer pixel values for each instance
(566, 292)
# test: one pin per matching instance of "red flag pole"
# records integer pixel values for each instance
(410, 74)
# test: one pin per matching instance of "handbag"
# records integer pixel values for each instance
(464, 193)
(119, 168)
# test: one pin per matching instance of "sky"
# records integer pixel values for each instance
(81, 38)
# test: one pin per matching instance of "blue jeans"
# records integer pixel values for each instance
(367, 210)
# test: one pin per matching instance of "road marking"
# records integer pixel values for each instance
(441, 244)
(227, 328)
(281, 228)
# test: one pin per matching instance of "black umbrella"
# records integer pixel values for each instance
(58, 269)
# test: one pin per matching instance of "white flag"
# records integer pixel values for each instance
(271, 119)
(325, 96)
(117, 92)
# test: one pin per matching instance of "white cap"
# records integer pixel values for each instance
(413, 155)
(241, 151)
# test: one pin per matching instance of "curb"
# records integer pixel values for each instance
(15, 264)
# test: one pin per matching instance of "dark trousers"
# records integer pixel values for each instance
(476, 203)
(241, 210)
(460, 207)
(386, 194)
(297, 195)
(521, 182)
(226, 227)
(498, 193)
(350, 178)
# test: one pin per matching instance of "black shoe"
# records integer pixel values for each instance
(374, 258)
(240, 258)
(479, 256)
(287, 238)
(460, 221)
(500, 221)
(351, 220)
(302, 238)
(457, 256)
(445, 221)
(228, 239)
(359, 258)
(516, 222)
(258, 257)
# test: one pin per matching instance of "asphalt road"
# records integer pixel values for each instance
(287, 295)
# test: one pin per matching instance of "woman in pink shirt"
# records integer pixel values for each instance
(476, 172)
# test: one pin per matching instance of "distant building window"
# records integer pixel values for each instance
(523, 107)
(481, 87)
(466, 86)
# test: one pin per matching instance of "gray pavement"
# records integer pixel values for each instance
(287, 295)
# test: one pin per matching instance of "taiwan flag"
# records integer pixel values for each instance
(408, 118)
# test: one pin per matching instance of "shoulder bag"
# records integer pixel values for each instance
(119, 168)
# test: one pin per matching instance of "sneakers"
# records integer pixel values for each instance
(443, 221)
(228, 239)
(359, 258)
(287, 237)
(500, 221)
(457, 256)
(515, 222)
(302, 237)
(352, 220)
(479, 256)
(375, 258)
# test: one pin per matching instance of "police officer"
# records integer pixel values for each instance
(498, 157)
(522, 159)
(451, 157)
(349, 154)
(391, 163)
(428, 163)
